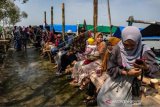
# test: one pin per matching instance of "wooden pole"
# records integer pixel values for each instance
(51, 16)
(109, 16)
(95, 15)
(45, 18)
(132, 20)
(63, 20)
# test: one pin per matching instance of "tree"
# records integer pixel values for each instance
(24, 14)
(2, 6)
(14, 15)
(10, 11)
(23, 1)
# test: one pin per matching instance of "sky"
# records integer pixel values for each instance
(78, 10)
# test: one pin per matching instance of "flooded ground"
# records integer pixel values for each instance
(32, 82)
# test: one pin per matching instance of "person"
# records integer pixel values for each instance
(90, 50)
(111, 42)
(24, 38)
(91, 46)
(80, 42)
(98, 76)
(59, 41)
(82, 68)
(118, 90)
(69, 37)
(67, 59)
(17, 39)
(51, 36)
(101, 45)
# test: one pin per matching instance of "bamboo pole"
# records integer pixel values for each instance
(95, 15)
(109, 16)
(45, 18)
(63, 20)
(51, 16)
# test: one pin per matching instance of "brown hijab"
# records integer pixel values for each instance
(101, 46)
(112, 41)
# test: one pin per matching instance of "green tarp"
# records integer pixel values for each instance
(104, 29)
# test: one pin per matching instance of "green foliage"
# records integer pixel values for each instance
(23, 1)
(24, 14)
(12, 12)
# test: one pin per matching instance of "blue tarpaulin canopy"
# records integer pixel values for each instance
(149, 33)
(58, 28)
(118, 32)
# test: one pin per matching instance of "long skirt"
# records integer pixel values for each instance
(116, 92)
(86, 70)
(98, 81)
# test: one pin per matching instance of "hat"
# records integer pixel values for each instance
(90, 41)
(69, 31)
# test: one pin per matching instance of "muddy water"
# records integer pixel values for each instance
(32, 82)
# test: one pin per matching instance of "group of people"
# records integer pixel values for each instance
(109, 70)
(26, 35)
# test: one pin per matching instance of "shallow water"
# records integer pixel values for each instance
(32, 82)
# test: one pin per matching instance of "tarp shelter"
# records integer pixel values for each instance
(103, 29)
(58, 28)
(118, 32)
(152, 32)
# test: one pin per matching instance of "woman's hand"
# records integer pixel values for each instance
(134, 72)
(143, 66)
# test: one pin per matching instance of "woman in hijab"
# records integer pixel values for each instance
(101, 45)
(122, 69)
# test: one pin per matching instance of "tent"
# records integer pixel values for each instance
(103, 29)
(152, 32)
(118, 32)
